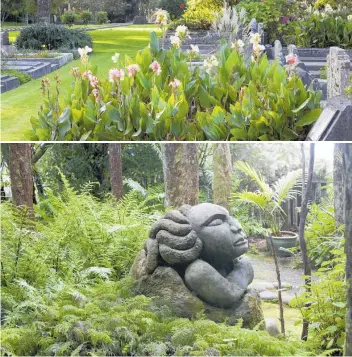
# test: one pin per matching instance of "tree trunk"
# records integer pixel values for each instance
(115, 168)
(21, 174)
(347, 170)
(279, 290)
(338, 184)
(43, 11)
(222, 180)
(302, 223)
(181, 174)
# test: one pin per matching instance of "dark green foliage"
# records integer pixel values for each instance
(101, 17)
(86, 16)
(52, 37)
(22, 77)
(69, 17)
(322, 235)
(173, 7)
(321, 32)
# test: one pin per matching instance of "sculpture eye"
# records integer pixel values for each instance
(216, 222)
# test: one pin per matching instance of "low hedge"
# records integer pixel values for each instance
(51, 37)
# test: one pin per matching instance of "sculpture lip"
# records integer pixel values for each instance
(240, 241)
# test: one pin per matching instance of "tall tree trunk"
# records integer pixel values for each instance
(181, 174)
(43, 11)
(338, 184)
(347, 170)
(21, 174)
(115, 168)
(302, 223)
(222, 180)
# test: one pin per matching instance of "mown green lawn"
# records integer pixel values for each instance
(18, 105)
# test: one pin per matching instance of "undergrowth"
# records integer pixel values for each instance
(66, 288)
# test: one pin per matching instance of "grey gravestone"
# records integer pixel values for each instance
(278, 52)
(339, 70)
(43, 11)
(335, 122)
(4, 38)
(261, 32)
(253, 26)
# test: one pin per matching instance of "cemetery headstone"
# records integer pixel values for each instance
(278, 52)
(339, 70)
(4, 38)
(261, 32)
(335, 122)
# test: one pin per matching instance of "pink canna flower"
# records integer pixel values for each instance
(94, 81)
(155, 66)
(175, 83)
(87, 74)
(292, 59)
(133, 69)
(116, 74)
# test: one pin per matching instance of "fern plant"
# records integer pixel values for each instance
(267, 200)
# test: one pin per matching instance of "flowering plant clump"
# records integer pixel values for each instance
(83, 52)
(161, 17)
(158, 95)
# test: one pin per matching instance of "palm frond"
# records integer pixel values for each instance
(284, 187)
(257, 177)
(258, 199)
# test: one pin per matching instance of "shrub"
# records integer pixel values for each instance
(22, 77)
(69, 17)
(201, 17)
(321, 31)
(320, 4)
(86, 16)
(52, 37)
(234, 101)
(274, 14)
(101, 17)
(174, 7)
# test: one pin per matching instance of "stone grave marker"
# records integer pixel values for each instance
(335, 122)
(339, 70)
(278, 52)
(43, 11)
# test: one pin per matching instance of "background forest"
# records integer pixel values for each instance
(77, 215)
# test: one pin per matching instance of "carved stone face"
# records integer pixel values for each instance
(222, 235)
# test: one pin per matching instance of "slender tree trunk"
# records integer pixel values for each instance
(222, 168)
(302, 223)
(347, 169)
(181, 174)
(338, 184)
(279, 293)
(43, 11)
(115, 167)
(21, 174)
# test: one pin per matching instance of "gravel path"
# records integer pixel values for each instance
(264, 270)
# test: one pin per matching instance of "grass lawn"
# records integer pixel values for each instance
(7, 25)
(18, 105)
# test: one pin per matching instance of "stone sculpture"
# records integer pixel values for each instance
(193, 261)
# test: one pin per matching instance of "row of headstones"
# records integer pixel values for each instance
(335, 122)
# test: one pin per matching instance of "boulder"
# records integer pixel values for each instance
(271, 327)
(168, 288)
